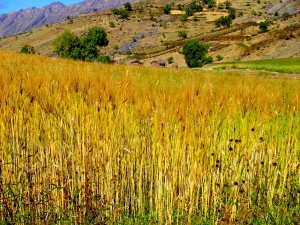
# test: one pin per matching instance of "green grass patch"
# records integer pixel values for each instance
(289, 65)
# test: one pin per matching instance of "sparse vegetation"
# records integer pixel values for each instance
(182, 34)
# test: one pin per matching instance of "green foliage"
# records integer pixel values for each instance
(97, 36)
(65, 44)
(167, 9)
(112, 24)
(182, 34)
(228, 4)
(276, 13)
(128, 6)
(184, 18)
(103, 59)
(223, 21)
(189, 11)
(219, 58)
(122, 13)
(263, 26)
(232, 13)
(195, 53)
(221, 5)
(196, 7)
(28, 49)
(70, 20)
(68, 45)
(170, 60)
(211, 3)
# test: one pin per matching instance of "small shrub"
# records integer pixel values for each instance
(263, 26)
(167, 9)
(28, 49)
(182, 34)
(112, 24)
(170, 60)
(219, 58)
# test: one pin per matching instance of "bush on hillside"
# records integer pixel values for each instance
(182, 34)
(128, 6)
(28, 49)
(195, 53)
(167, 9)
(263, 26)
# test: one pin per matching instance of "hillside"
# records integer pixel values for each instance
(23, 20)
(149, 34)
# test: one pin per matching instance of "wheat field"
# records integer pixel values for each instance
(84, 143)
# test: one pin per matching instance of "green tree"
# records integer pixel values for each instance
(195, 53)
(196, 7)
(263, 26)
(94, 37)
(189, 11)
(28, 49)
(167, 9)
(232, 13)
(97, 36)
(223, 21)
(127, 6)
(124, 14)
(68, 45)
(65, 44)
(211, 3)
(228, 4)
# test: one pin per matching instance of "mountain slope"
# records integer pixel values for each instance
(23, 20)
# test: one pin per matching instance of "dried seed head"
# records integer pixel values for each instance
(294, 214)
(262, 162)
(235, 183)
(253, 129)
(230, 140)
(261, 139)
(274, 163)
(218, 161)
(212, 154)
(230, 149)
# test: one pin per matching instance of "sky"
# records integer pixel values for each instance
(15, 5)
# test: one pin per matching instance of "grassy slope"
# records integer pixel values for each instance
(89, 143)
